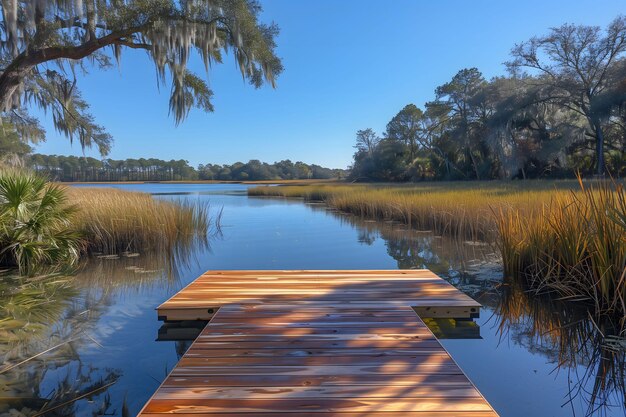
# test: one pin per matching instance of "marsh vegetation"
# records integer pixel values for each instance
(114, 221)
(102, 334)
(47, 226)
(566, 238)
(459, 209)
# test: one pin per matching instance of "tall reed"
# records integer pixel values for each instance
(575, 247)
(114, 221)
(561, 237)
(461, 210)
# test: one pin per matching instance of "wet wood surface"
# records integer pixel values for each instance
(322, 357)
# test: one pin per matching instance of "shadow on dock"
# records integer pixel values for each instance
(318, 343)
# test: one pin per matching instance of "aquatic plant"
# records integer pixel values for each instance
(458, 209)
(573, 247)
(35, 223)
(114, 221)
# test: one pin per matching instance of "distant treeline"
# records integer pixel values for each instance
(561, 110)
(73, 168)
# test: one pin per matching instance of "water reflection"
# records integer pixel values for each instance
(447, 328)
(45, 322)
(591, 353)
(471, 266)
(98, 328)
(181, 330)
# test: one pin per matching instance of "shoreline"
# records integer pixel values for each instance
(261, 182)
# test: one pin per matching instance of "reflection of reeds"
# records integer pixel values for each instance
(573, 339)
(43, 322)
(29, 304)
(114, 221)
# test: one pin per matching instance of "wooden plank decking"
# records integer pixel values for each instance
(430, 295)
(316, 344)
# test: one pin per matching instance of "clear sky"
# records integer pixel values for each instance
(349, 65)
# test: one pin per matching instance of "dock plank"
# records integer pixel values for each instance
(317, 344)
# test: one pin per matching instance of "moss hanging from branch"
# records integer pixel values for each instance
(60, 34)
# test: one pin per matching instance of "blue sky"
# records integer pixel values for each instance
(349, 65)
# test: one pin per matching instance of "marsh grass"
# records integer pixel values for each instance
(115, 221)
(463, 210)
(574, 247)
(567, 238)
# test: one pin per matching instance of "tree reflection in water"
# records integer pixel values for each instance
(45, 322)
(472, 266)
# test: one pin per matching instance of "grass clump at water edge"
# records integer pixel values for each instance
(114, 221)
(574, 247)
(48, 226)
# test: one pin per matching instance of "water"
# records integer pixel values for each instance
(102, 325)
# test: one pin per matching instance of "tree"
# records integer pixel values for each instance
(303, 170)
(406, 127)
(577, 65)
(45, 42)
(387, 162)
(366, 141)
(10, 144)
(527, 134)
(460, 100)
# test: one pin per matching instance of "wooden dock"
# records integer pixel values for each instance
(421, 289)
(317, 344)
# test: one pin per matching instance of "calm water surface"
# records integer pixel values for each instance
(102, 327)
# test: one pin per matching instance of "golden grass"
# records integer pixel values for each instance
(260, 182)
(455, 209)
(560, 236)
(113, 221)
(575, 246)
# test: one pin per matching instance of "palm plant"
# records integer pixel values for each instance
(35, 223)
